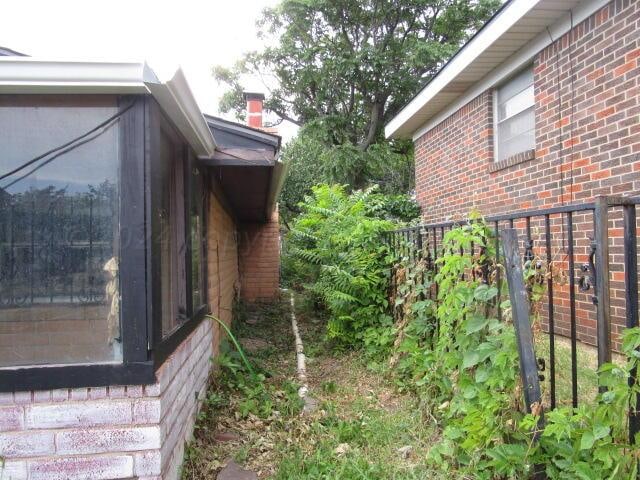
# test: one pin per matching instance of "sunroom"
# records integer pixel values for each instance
(126, 216)
(105, 175)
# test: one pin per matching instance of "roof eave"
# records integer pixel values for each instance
(32, 75)
(435, 102)
(176, 98)
(400, 126)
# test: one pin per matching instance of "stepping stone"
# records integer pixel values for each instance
(233, 471)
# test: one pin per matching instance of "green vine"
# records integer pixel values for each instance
(463, 362)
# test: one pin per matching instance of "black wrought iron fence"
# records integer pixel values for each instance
(589, 255)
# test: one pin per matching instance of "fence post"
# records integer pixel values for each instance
(631, 301)
(524, 335)
(601, 237)
(521, 322)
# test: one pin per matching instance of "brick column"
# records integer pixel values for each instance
(259, 258)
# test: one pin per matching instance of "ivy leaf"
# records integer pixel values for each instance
(608, 396)
(600, 431)
(585, 471)
(484, 293)
(475, 324)
(482, 375)
(471, 359)
(587, 441)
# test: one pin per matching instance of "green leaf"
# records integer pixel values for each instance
(475, 324)
(587, 441)
(600, 431)
(470, 359)
(484, 293)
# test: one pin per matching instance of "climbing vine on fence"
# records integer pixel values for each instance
(437, 325)
(453, 351)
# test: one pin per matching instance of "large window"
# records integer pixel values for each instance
(198, 298)
(59, 220)
(172, 240)
(101, 241)
(180, 235)
(515, 116)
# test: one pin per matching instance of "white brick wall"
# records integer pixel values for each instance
(108, 433)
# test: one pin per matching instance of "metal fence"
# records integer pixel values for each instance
(593, 246)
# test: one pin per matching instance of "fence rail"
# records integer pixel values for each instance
(593, 246)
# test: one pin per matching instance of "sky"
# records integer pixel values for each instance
(193, 34)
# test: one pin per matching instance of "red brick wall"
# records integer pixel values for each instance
(259, 251)
(598, 153)
(222, 264)
(453, 159)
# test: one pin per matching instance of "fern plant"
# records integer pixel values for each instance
(338, 258)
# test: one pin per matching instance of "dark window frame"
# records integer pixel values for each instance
(144, 349)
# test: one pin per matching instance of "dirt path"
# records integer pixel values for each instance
(362, 429)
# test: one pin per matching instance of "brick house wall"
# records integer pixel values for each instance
(597, 152)
(259, 252)
(222, 258)
(109, 432)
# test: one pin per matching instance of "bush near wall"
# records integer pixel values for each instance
(450, 349)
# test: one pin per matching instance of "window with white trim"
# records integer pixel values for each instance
(514, 115)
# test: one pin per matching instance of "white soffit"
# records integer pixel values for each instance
(508, 42)
(28, 75)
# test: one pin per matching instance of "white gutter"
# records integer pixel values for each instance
(30, 75)
(176, 99)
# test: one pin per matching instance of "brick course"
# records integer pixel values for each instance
(222, 260)
(587, 92)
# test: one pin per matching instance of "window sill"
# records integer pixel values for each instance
(512, 160)
(76, 376)
(168, 345)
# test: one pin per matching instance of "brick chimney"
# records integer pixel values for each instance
(254, 108)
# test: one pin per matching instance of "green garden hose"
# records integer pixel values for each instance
(235, 342)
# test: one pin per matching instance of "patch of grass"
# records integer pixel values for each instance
(361, 442)
(587, 367)
(355, 433)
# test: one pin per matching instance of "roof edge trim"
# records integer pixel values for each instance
(497, 26)
(176, 99)
(514, 63)
(33, 75)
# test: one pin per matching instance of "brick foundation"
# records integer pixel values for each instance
(110, 432)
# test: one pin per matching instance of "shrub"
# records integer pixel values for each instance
(334, 251)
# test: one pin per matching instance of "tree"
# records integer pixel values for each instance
(341, 69)
(352, 64)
